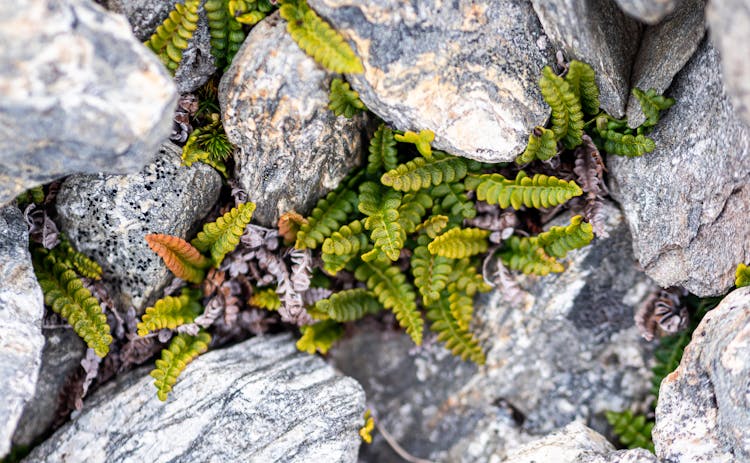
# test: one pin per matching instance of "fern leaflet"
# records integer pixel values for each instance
(222, 236)
(182, 350)
(542, 145)
(179, 256)
(343, 246)
(582, 82)
(381, 208)
(349, 305)
(567, 116)
(558, 241)
(421, 172)
(458, 340)
(430, 273)
(458, 243)
(433, 225)
(171, 312)
(651, 104)
(383, 153)
(537, 191)
(626, 144)
(344, 101)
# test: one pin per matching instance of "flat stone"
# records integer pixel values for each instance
(258, 401)
(702, 413)
(21, 311)
(78, 93)
(687, 202)
(648, 11)
(107, 217)
(599, 33)
(274, 104)
(665, 49)
(468, 71)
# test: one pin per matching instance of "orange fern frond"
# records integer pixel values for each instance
(289, 224)
(179, 256)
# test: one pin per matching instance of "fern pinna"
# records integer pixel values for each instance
(171, 312)
(221, 237)
(182, 350)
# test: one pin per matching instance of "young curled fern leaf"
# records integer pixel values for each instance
(537, 191)
(319, 336)
(558, 241)
(651, 104)
(413, 208)
(173, 35)
(634, 431)
(526, 255)
(380, 205)
(179, 256)
(742, 276)
(431, 273)
(458, 243)
(182, 350)
(451, 199)
(265, 298)
(389, 285)
(421, 172)
(457, 339)
(433, 225)
(349, 305)
(171, 312)
(567, 116)
(343, 246)
(318, 39)
(65, 253)
(344, 101)
(542, 145)
(626, 144)
(582, 82)
(383, 153)
(222, 236)
(421, 140)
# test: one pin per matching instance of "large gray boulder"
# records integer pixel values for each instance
(78, 93)
(21, 310)
(687, 202)
(274, 104)
(258, 401)
(108, 216)
(468, 71)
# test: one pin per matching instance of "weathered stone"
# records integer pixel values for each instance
(687, 202)
(63, 351)
(468, 71)
(622, 456)
(665, 48)
(702, 413)
(648, 11)
(21, 310)
(107, 217)
(258, 401)
(197, 64)
(78, 93)
(568, 351)
(729, 23)
(599, 33)
(274, 102)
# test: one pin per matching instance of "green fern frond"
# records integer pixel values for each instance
(633, 431)
(344, 101)
(222, 236)
(389, 285)
(626, 144)
(421, 140)
(66, 254)
(173, 35)
(461, 305)
(537, 191)
(380, 205)
(451, 199)
(567, 116)
(343, 246)
(182, 350)
(458, 340)
(209, 145)
(458, 243)
(249, 12)
(319, 336)
(265, 298)
(542, 145)
(318, 39)
(526, 255)
(433, 225)
(171, 312)
(421, 172)
(466, 278)
(651, 104)
(349, 305)
(742, 276)
(431, 273)
(33, 195)
(413, 208)
(558, 241)
(383, 153)
(582, 82)
(226, 33)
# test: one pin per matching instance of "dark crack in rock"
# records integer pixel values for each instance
(274, 104)
(78, 93)
(648, 11)
(107, 217)
(468, 71)
(687, 203)
(259, 401)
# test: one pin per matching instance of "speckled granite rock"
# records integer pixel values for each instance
(665, 48)
(729, 23)
(702, 414)
(78, 93)
(648, 11)
(21, 310)
(468, 71)
(259, 401)
(599, 33)
(568, 351)
(274, 104)
(107, 217)
(687, 202)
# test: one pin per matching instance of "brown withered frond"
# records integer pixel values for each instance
(179, 256)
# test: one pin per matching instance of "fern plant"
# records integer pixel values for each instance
(633, 431)
(742, 276)
(221, 237)
(182, 350)
(319, 336)
(172, 36)
(171, 312)
(184, 260)
(343, 100)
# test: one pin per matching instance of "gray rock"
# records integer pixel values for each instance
(702, 413)
(197, 64)
(568, 351)
(468, 71)
(259, 401)
(729, 23)
(599, 33)
(21, 310)
(648, 11)
(622, 456)
(107, 217)
(274, 104)
(687, 202)
(78, 93)
(665, 48)
(63, 351)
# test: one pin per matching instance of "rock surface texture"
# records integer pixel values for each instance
(567, 351)
(21, 310)
(78, 93)
(687, 202)
(599, 33)
(468, 71)
(648, 11)
(107, 217)
(274, 101)
(259, 401)
(702, 414)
